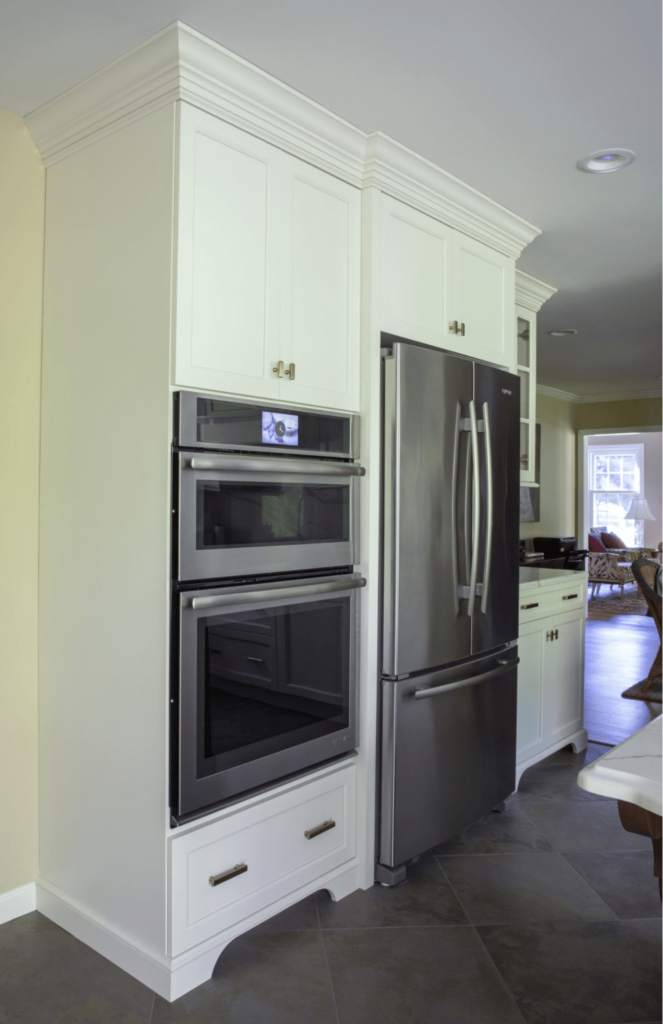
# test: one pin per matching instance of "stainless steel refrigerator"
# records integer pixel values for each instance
(450, 597)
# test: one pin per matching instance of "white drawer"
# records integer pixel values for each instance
(268, 839)
(536, 604)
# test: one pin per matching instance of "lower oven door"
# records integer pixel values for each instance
(241, 514)
(267, 684)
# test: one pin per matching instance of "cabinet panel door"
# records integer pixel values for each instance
(484, 290)
(228, 280)
(416, 275)
(530, 736)
(525, 326)
(565, 667)
(320, 298)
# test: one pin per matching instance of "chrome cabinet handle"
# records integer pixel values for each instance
(239, 869)
(534, 605)
(489, 508)
(476, 519)
(313, 832)
(504, 666)
(283, 594)
(237, 464)
(569, 597)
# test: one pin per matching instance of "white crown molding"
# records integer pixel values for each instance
(614, 396)
(530, 292)
(179, 63)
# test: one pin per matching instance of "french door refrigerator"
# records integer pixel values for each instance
(450, 597)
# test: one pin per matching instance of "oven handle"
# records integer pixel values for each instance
(283, 593)
(275, 466)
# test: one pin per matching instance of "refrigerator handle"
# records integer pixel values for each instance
(489, 508)
(454, 490)
(476, 519)
(504, 666)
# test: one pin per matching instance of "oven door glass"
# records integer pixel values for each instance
(262, 520)
(267, 686)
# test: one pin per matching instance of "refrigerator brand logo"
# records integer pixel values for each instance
(505, 391)
(341, 739)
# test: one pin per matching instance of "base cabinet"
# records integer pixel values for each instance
(550, 680)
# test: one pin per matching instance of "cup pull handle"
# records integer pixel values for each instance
(313, 832)
(239, 869)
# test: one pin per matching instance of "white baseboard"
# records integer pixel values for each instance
(17, 902)
(578, 740)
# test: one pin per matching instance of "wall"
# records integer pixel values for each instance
(558, 459)
(22, 186)
(653, 484)
(642, 412)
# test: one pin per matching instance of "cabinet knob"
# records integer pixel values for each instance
(456, 328)
(279, 368)
(291, 372)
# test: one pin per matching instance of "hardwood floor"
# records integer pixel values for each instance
(618, 653)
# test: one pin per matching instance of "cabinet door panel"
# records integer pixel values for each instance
(483, 299)
(416, 265)
(530, 736)
(565, 661)
(320, 306)
(228, 263)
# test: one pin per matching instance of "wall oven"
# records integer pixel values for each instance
(265, 597)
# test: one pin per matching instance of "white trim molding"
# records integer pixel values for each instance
(614, 396)
(17, 902)
(179, 63)
(530, 292)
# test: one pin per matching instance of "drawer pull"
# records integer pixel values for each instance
(312, 833)
(569, 597)
(239, 869)
(525, 606)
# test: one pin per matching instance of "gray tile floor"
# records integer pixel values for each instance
(547, 914)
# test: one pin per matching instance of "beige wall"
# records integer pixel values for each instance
(642, 412)
(22, 186)
(558, 459)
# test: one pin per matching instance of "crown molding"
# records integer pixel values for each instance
(614, 396)
(530, 292)
(179, 63)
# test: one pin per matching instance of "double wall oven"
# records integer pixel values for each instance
(265, 596)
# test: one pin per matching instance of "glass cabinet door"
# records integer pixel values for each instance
(526, 368)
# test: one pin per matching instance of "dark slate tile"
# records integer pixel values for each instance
(578, 825)
(509, 832)
(520, 887)
(624, 880)
(416, 976)
(267, 978)
(301, 916)
(603, 972)
(425, 898)
(588, 756)
(48, 976)
(558, 782)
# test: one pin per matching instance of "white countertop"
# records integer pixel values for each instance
(531, 578)
(630, 771)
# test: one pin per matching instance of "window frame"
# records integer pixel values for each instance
(637, 449)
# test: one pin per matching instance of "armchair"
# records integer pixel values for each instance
(625, 555)
(604, 567)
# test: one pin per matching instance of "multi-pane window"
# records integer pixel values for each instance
(616, 473)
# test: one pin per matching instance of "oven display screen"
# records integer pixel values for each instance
(280, 428)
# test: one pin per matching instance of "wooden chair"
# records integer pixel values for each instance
(645, 571)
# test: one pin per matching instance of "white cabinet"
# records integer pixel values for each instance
(551, 647)
(530, 296)
(268, 252)
(442, 288)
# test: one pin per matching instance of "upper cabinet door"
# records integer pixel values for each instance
(320, 306)
(483, 300)
(416, 274)
(526, 370)
(228, 259)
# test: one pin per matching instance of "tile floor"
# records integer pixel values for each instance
(546, 914)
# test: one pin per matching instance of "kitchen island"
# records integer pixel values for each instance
(551, 645)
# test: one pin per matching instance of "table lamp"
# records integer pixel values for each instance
(639, 509)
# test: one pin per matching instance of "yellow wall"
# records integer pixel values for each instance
(558, 490)
(642, 412)
(22, 189)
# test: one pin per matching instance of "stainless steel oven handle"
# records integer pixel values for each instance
(282, 593)
(276, 466)
(489, 508)
(476, 517)
(505, 666)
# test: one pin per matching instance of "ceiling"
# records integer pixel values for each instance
(505, 95)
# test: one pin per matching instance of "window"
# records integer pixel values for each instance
(616, 474)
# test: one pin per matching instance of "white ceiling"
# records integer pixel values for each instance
(505, 94)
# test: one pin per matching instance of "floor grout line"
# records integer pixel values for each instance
(324, 950)
(154, 999)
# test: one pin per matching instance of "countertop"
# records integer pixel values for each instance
(532, 578)
(630, 771)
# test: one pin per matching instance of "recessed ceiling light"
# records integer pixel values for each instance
(562, 334)
(605, 160)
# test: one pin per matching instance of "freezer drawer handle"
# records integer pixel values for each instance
(276, 466)
(239, 869)
(283, 593)
(313, 832)
(534, 605)
(505, 666)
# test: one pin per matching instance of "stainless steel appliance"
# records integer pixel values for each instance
(265, 603)
(450, 597)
